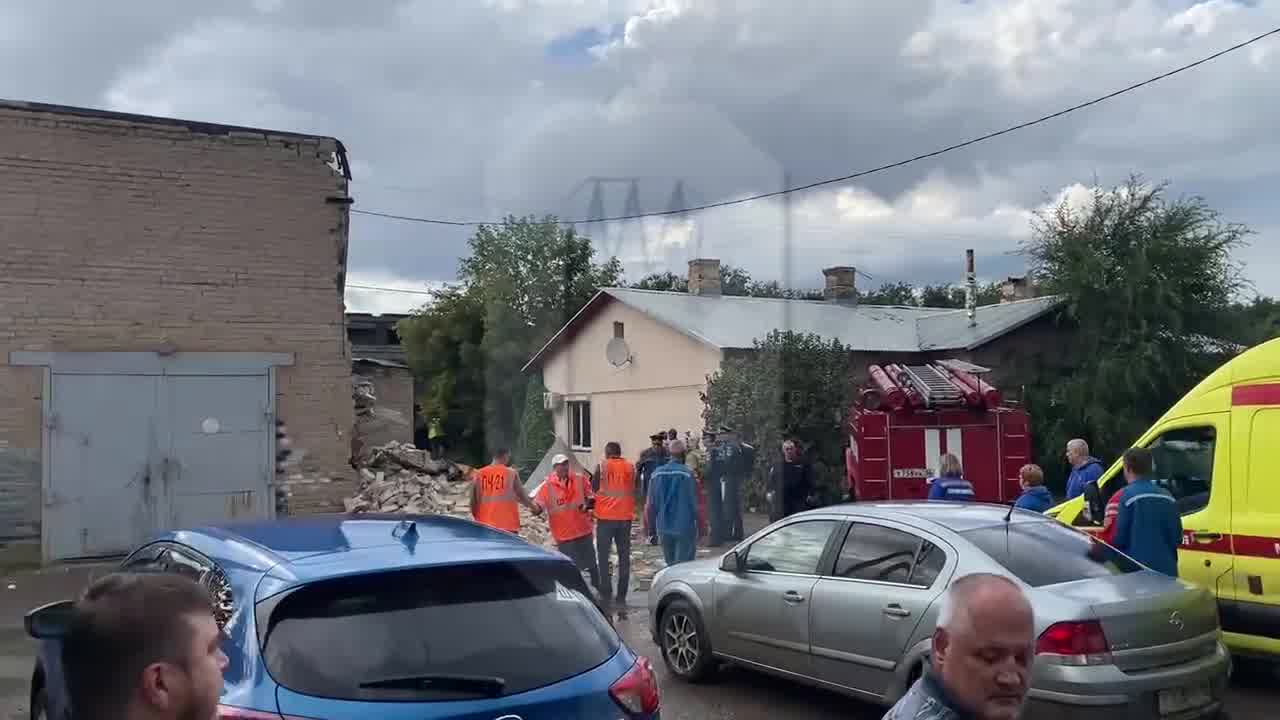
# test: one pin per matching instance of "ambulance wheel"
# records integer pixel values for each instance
(686, 647)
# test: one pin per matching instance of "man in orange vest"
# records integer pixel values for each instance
(567, 498)
(615, 486)
(495, 492)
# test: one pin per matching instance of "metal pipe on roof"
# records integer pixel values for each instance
(970, 289)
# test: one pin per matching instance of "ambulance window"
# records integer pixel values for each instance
(1262, 438)
(1184, 466)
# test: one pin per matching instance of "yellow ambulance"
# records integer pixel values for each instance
(1217, 451)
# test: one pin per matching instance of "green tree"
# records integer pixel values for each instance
(895, 293)
(1142, 276)
(791, 384)
(520, 283)
(734, 281)
(536, 429)
(953, 296)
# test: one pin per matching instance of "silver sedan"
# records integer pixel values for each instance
(846, 598)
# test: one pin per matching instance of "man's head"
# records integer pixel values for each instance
(1137, 464)
(560, 463)
(790, 451)
(1077, 452)
(678, 450)
(983, 645)
(144, 646)
(656, 439)
(612, 450)
(1030, 476)
(672, 434)
(502, 456)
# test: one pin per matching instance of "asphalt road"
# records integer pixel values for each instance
(735, 695)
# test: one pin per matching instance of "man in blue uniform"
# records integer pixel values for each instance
(1148, 527)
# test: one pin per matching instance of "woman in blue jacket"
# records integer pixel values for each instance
(1035, 496)
(950, 483)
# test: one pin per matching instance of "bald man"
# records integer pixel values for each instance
(982, 653)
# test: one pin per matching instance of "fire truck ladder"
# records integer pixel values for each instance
(936, 388)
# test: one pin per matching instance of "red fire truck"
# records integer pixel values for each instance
(908, 416)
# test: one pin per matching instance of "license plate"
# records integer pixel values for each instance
(1176, 700)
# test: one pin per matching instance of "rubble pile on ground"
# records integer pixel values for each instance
(375, 426)
(399, 478)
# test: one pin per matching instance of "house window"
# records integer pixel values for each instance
(618, 330)
(580, 424)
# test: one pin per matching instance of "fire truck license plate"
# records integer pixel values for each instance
(905, 473)
(1177, 700)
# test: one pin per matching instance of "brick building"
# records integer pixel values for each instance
(167, 289)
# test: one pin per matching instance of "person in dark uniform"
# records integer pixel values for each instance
(652, 458)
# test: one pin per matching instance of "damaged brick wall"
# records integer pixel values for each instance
(128, 235)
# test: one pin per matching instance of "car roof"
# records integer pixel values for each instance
(954, 516)
(335, 545)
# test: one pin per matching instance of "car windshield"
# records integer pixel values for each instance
(1049, 553)
(450, 633)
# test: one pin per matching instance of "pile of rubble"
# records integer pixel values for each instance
(375, 426)
(399, 478)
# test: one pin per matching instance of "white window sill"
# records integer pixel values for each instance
(579, 448)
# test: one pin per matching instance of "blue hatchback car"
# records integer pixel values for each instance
(421, 618)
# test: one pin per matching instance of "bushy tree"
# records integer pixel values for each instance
(791, 385)
(1145, 279)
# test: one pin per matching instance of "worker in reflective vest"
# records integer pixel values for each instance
(568, 500)
(615, 485)
(495, 492)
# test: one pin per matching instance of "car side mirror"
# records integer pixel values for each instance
(50, 621)
(731, 562)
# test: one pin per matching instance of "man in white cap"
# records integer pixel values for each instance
(568, 500)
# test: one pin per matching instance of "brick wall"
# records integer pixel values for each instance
(127, 236)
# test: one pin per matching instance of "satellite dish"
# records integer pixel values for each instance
(617, 352)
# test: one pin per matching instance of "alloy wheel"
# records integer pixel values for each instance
(680, 642)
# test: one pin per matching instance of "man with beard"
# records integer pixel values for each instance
(982, 654)
(143, 647)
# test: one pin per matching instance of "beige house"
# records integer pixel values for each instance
(632, 362)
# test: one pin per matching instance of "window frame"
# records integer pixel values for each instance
(1201, 426)
(948, 553)
(825, 559)
(152, 558)
(573, 412)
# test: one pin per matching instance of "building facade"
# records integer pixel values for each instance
(169, 289)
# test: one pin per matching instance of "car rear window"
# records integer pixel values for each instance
(429, 634)
(1049, 553)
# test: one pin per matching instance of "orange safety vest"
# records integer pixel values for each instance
(496, 506)
(616, 499)
(563, 503)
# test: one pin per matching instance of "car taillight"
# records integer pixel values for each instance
(231, 712)
(1074, 643)
(637, 691)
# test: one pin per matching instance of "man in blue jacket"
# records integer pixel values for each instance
(672, 508)
(1084, 467)
(1148, 527)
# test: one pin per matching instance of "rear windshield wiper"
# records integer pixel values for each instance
(486, 685)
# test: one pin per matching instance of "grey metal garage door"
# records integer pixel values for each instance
(137, 442)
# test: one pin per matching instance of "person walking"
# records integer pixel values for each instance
(791, 484)
(615, 487)
(673, 507)
(1148, 527)
(1084, 467)
(980, 665)
(143, 646)
(1035, 496)
(950, 483)
(567, 498)
(496, 493)
(651, 458)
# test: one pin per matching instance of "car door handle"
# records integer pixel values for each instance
(896, 610)
(793, 597)
(1206, 537)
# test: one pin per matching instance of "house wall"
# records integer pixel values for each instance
(130, 236)
(658, 389)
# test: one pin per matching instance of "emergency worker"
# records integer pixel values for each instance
(950, 483)
(615, 487)
(568, 500)
(495, 493)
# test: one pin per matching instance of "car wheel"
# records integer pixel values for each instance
(40, 705)
(686, 647)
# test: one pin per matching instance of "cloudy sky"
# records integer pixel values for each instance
(475, 109)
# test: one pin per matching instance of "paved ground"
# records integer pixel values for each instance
(736, 695)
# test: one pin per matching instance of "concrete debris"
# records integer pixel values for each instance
(375, 426)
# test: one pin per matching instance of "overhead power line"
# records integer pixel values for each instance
(379, 288)
(860, 173)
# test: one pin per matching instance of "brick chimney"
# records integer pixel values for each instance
(704, 276)
(1016, 288)
(841, 285)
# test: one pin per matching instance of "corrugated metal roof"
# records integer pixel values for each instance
(736, 322)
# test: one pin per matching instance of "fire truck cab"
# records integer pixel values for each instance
(908, 416)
